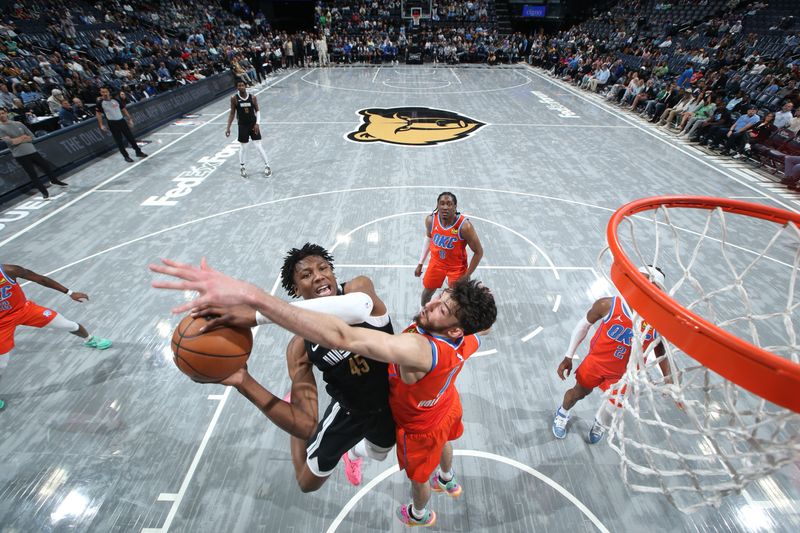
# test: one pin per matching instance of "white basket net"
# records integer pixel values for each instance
(703, 437)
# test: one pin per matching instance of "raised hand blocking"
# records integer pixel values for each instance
(214, 288)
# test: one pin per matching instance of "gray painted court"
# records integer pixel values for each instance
(120, 441)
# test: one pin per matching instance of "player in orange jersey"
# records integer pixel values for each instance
(448, 233)
(17, 310)
(608, 355)
(427, 357)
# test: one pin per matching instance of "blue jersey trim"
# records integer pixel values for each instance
(434, 355)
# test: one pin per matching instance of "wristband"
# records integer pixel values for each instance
(69, 292)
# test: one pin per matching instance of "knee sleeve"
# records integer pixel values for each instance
(59, 322)
(378, 453)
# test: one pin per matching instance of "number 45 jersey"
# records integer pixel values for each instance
(357, 383)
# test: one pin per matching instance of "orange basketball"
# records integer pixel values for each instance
(212, 356)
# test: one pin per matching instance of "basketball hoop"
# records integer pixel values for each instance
(416, 15)
(728, 414)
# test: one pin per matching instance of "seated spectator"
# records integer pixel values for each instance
(79, 110)
(784, 116)
(66, 116)
(6, 97)
(736, 134)
(55, 102)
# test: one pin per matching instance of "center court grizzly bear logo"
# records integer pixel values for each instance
(413, 126)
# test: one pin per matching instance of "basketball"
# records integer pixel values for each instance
(212, 356)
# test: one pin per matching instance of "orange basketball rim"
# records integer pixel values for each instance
(761, 372)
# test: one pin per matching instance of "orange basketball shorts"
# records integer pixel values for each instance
(592, 374)
(419, 453)
(30, 314)
(435, 274)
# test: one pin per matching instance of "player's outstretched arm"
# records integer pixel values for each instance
(599, 309)
(215, 288)
(474, 243)
(16, 271)
(298, 418)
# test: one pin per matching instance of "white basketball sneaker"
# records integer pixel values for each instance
(560, 424)
(243, 171)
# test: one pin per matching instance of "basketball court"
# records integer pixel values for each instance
(120, 441)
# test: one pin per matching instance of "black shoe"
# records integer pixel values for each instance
(141, 154)
(128, 159)
(58, 182)
(45, 194)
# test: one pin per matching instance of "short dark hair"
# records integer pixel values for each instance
(447, 193)
(294, 256)
(476, 308)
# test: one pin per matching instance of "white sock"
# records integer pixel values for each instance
(445, 476)
(419, 514)
(263, 153)
(241, 153)
(562, 411)
(358, 451)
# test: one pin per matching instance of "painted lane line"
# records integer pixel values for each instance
(192, 467)
(167, 497)
(532, 334)
(120, 173)
(376, 74)
(216, 396)
(557, 303)
(187, 479)
(484, 353)
(456, 76)
(627, 119)
(482, 455)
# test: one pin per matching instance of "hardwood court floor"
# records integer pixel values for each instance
(120, 441)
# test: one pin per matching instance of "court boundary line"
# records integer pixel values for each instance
(699, 158)
(477, 91)
(127, 169)
(481, 455)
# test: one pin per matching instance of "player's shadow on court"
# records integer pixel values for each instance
(109, 365)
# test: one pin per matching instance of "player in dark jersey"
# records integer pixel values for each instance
(244, 107)
(357, 422)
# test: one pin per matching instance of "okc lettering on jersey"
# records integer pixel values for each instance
(443, 241)
(335, 356)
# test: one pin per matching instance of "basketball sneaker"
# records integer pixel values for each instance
(596, 433)
(242, 171)
(560, 424)
(60, 183)
(98, 343)
(452, 488)
(404, 515)
(352, 469)
(267, 171)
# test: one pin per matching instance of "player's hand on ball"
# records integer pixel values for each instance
(566, 365)
(79, 296)
(418, 271)
(240, 316)
(215, 288)
(237, 378)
